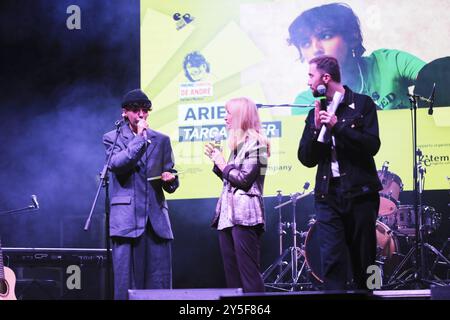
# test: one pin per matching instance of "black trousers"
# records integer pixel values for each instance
(141, 263)
(346, 225)
(240, 248)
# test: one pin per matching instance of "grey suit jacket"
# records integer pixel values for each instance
(243, 184)
(134, 200)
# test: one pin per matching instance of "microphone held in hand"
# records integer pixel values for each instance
(218, 141)
(385, 166)
(322, 90)
(142, 127)
(144, 134)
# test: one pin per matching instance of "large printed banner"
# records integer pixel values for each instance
(195, 55)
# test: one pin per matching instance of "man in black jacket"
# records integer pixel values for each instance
(341, 138)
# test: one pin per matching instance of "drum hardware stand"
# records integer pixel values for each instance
(297, 263)
(441, 255)
(419, 277)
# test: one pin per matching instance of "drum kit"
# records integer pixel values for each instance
(298, 267)
(399, 235)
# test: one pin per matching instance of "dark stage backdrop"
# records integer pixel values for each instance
(60, 91)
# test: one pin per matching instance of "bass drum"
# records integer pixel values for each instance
(387, 244)
(389, 248)
(313, 258)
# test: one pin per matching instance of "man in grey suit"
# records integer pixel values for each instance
(139, 222)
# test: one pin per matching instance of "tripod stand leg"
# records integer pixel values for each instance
(302, 268)
(437, 252)
(284, 272)
(439, 256)
(400, 266)
(294, 257)
(279, 262)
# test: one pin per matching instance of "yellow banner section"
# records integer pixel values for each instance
(195, 55)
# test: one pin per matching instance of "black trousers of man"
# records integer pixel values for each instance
(346, 225)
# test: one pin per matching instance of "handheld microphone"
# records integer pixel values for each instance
(385, 166)
(430, 108)
(144, 131)
(144, 134)
(322, 89)
(218, 141)
(34, 200)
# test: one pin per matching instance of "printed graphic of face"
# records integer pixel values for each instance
(196, 68)
(325, 43)
(197, 73)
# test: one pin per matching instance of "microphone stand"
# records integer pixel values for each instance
(419, 276)
(104, 182)
(286, 105)
(31, 207)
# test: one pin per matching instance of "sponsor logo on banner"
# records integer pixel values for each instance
(434, 159)
(434, 154)
(193, 90)
(182, 20)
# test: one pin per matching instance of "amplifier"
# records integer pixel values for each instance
(54, 256)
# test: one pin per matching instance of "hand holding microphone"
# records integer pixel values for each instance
(322, 116)
(214, 152)
(142, 127)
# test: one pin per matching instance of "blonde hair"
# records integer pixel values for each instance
(245, 123)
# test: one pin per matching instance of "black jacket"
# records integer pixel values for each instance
(357, 142)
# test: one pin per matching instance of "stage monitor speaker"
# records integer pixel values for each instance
(183, 294)
(440, 292)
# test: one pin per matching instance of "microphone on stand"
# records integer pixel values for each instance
(35, 202)
(306, 186)
(430, 108)
(120, 122)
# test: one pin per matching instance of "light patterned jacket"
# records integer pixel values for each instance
(243, 182)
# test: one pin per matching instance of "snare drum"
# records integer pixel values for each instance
(406, 219)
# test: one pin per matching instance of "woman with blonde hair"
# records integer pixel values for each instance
(239, 216)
